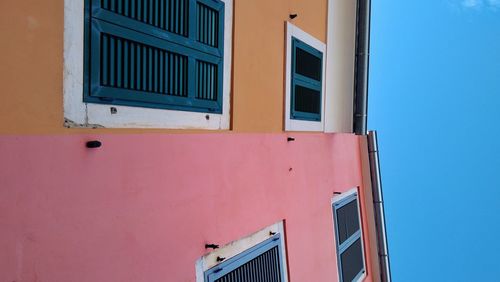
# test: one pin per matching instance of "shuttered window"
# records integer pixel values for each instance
(164, 54)
(349, 238)
(262, 263)
(307, 81)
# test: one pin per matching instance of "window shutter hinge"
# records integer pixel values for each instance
(217, 270)
(219, 259)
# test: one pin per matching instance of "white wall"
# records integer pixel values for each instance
(341, 40)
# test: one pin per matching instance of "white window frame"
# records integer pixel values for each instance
(293, 31)
(80, 114)
(335, 200)
(239, 246)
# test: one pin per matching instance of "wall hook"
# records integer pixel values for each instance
(293, 16)
(211, 246)
(290, 139)
(93, 144)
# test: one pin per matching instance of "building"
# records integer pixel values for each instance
(187, 140)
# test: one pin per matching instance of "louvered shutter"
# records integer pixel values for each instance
(261, 263)
(155, 53)
(307, 80)
(349, 239)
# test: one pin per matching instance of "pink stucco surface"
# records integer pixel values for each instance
(141, 207)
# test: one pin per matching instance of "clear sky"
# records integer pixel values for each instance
(435, 100)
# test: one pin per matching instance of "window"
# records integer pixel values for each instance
(260, 263)
(305, 81)
(260, 256)
(158, 63)
(349, 237)
(159, 54)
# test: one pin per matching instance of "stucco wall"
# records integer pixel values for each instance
(31, 67)
(142, 207)
(259, 57)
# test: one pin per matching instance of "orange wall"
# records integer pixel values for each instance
(259, 57)
(31, 66)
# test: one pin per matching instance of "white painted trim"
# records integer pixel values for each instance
(80, 114)
(339, 198)
(236, 247)
(293, 124)
(341, 42)
(344, 195)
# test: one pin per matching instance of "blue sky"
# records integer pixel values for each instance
(435, 100)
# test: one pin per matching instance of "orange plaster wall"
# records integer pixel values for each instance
(31, 64)
(259, 57)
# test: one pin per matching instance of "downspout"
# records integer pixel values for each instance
(361, 64)
(378, 204)
(361, 70)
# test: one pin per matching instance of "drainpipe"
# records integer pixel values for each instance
(378, 203)
(361, 65)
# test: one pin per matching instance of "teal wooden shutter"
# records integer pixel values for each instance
(155, 53)
(307, 81)
(349, 243)
(262, 263)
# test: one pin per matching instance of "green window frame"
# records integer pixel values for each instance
(306, 104)
(165, 54)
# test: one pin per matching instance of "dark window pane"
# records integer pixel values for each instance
(307, 100)
(207, 77)
(208, 25)
(347, 221)
(352, 261)
(307, 64)
(170, 15)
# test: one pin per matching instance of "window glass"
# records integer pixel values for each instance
(347, 221)
(306, 82)
(349, 238)
(352, 261)
(308, 65)
(307, 100)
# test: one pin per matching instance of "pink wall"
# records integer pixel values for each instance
(142, 207)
